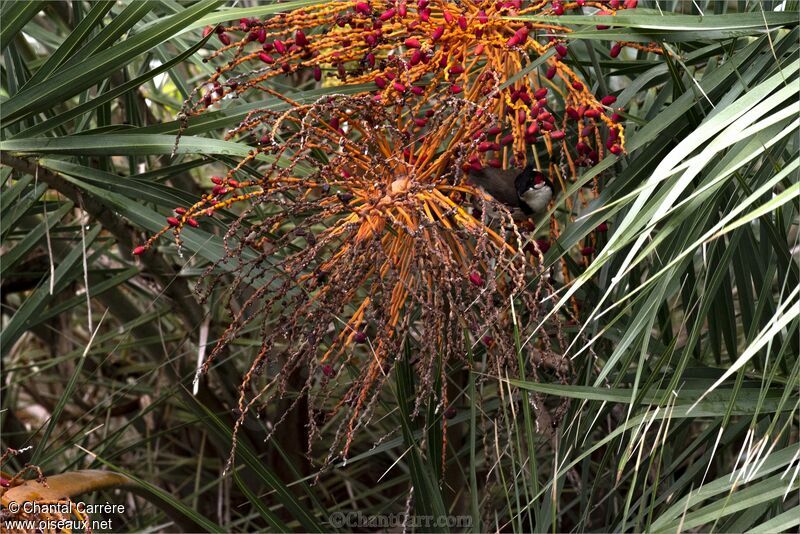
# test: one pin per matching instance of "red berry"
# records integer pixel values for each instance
(363, 8)
(608, 100)
(561, 50)
(388, 14)
(180, 211)
(327, 370)
(266, 58)
(380, 82)
(601, 228)
(487, 340)
(587, 251)
(300, 38)
(540, 93)
(455, 89)
(578, 86)
(216, 180)
(437, 33)
(476, 279)
(360, 337)
(462, 22)
(551, 72)
(616, 150)
(193, 223)
(556, 135)
(279, 46)
(399, 87)
(224, 39)
(572, 113)
(138, 251)
(412, 42)
(172, 221)
(615, 50)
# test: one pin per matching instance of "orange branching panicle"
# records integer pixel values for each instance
(370, 247)
(356, 231)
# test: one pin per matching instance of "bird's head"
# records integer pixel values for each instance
(531, 178)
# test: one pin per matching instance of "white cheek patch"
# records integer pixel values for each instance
(538, 199)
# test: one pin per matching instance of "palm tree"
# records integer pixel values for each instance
(668, 399)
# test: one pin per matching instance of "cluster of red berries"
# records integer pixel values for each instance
(429, 51)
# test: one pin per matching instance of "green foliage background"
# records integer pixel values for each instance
(686, 412)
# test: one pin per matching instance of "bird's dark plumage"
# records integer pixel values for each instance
(527, 190)
(499, 184)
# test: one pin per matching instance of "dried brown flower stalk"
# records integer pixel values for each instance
(358, 234)
(365, 242)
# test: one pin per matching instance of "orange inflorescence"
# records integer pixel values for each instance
(359, 232)
(372, 246)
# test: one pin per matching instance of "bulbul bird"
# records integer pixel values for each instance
(525, 193)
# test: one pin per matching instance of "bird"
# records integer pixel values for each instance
(525, 193)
